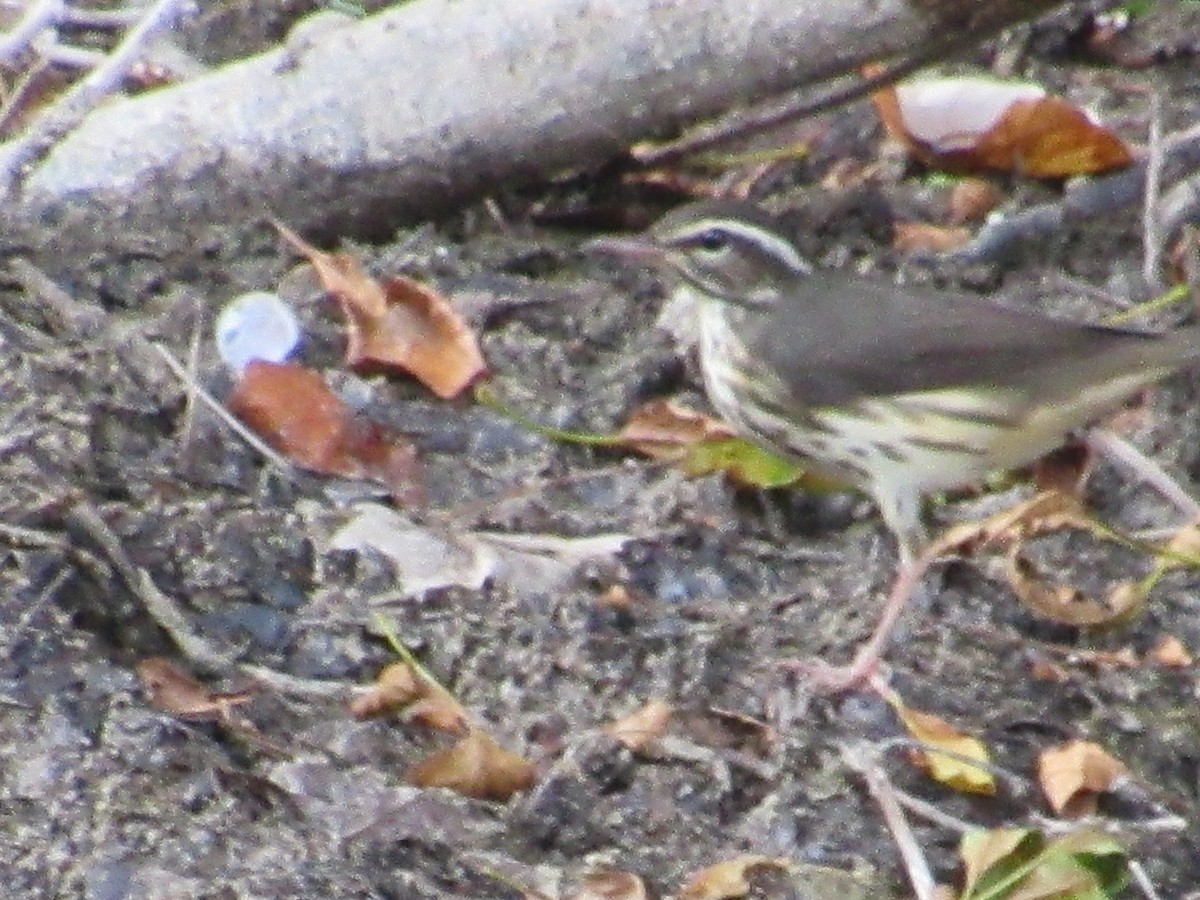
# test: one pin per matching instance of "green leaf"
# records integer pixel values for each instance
(745, 462)
(1018, 864)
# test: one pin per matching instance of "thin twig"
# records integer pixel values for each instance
(191, 384)
(107, 19)
(72, 57)
(32, 538)
(296, 686)
(1018, 783)
(863, 759)
(83, 97)
(931, 813)
(1050, 825)
(37, 17)
(1142, 880)
(1152, 238)
(1124, 454)
(275, 458)
(81, 321)
(25, 90)
(161, 608)
(778, 113)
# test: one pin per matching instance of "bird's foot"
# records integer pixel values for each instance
(822, 677)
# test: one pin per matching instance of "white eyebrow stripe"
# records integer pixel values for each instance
(773, 244)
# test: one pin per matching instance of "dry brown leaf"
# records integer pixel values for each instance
(294, 411)
(913, 237)
(177, 693)
(395, 687)
(642, 727)
(965, 123)
(725, 729)
(952, 771)
(1049, 138)
(399, 689)
(397, 324)
(1046, 511)
(661, 429)
(1073, 774)
(971, 199)
(1125, 658)
(726, 880)
(610, 884)
(1064, 470)
(1064, 603)
(1171, 653)
(616, 596)
(1044, 669)
(475, 767)
(700, 445)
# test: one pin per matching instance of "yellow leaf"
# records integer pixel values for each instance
(954, 771)
(726, 880)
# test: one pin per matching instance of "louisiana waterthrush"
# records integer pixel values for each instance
(898, 391)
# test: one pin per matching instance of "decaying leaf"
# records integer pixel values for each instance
(1044, 512)
(911, 237)
(1064, 469)
(175, 692)
(642, 727)
(726, 880)
(1073, 774)
(1171, 653)
(610, 884)
(418, 699)
(398, 323)
(293, 410)
(981, 851)
(749, 465)
(662, 429)
(971, 199)
(954, 771)
(701, 444)
(976, 123)
(475, 767)
(426, 558)
(1124, 658)
(725, 729)
(1067, 604)
(1019, 864)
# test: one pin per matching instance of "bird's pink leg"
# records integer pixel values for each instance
(835, 679)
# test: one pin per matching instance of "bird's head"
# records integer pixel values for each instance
(725, 250)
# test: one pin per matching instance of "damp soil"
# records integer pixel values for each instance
(716, 588)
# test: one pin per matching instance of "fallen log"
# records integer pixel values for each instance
(421, 108)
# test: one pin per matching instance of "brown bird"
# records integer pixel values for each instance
(899, 391)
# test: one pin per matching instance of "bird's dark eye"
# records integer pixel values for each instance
(712, 241)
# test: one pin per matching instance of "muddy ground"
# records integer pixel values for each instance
(105, 470)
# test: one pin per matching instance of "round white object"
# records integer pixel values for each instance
(257, 325)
